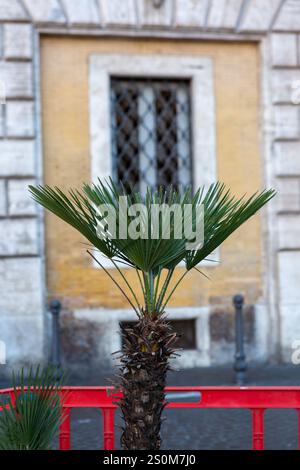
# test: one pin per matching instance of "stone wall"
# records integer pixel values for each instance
(21, 273)
(275, 23)
(286, 161)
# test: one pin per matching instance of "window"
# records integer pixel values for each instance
(152, 120)
(150, 131)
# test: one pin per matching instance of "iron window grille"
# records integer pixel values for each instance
(151, 133)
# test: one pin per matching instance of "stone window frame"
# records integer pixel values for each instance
(198, 69)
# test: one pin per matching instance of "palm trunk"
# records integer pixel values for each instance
(145, 362)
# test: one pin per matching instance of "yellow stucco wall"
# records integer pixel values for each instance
(65, 126)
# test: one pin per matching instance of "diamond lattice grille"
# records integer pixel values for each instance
(151, 138)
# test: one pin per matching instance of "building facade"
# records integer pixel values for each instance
(96, 88)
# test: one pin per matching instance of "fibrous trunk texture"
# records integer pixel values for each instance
(147, 348)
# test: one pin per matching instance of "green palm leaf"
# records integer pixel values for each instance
(31, 420)
(151, 257)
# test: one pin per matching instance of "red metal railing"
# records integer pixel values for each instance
(255, 399)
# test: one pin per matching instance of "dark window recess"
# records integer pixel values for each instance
(186, 329)
(150, 131)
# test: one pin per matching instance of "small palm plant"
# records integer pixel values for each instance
(149, 343)
(31, 418)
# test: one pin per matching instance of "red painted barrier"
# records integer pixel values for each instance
(256, 399)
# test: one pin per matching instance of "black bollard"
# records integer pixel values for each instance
(240, 365)
(55, 308)
(158, 3)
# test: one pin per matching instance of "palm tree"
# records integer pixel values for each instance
(149, 343)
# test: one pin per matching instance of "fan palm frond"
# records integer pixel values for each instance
(87, 210)
(31, 418)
